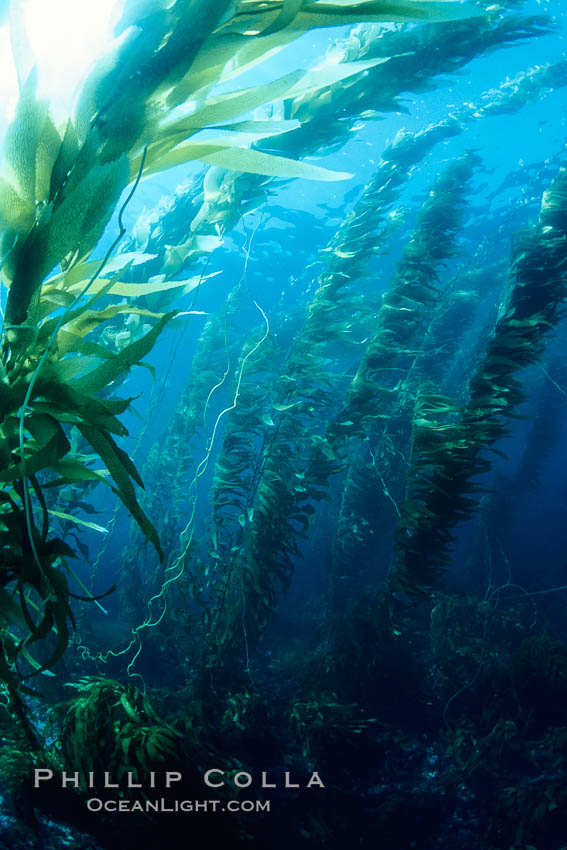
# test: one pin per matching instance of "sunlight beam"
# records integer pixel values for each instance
(65, 37)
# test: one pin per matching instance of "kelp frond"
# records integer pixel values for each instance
(449, 444)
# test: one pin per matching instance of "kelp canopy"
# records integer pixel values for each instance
(288, 512)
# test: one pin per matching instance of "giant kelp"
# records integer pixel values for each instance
(310, 402)
(368, 224)
(230, 196)
(448, 444)
(264, 484)
(227, 196)
(59, 190)
(272, 434)
(392, 63)
(375, 404)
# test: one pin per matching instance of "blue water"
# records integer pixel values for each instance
(289, 623)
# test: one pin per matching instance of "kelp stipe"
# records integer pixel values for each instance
(274, 465)
(413, 293)
(375, 406)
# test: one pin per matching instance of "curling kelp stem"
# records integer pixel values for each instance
(187, 534)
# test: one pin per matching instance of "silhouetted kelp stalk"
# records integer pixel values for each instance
(228, 581)
(374, 406)
(374, 486)
(413, 294)
(445, 332)
(401, 321)
(498, 511)
(449, 443)
(547, 426)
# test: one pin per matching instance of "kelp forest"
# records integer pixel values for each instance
(282, 420)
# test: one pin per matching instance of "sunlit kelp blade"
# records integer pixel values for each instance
(307, 15)
(377, 86)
